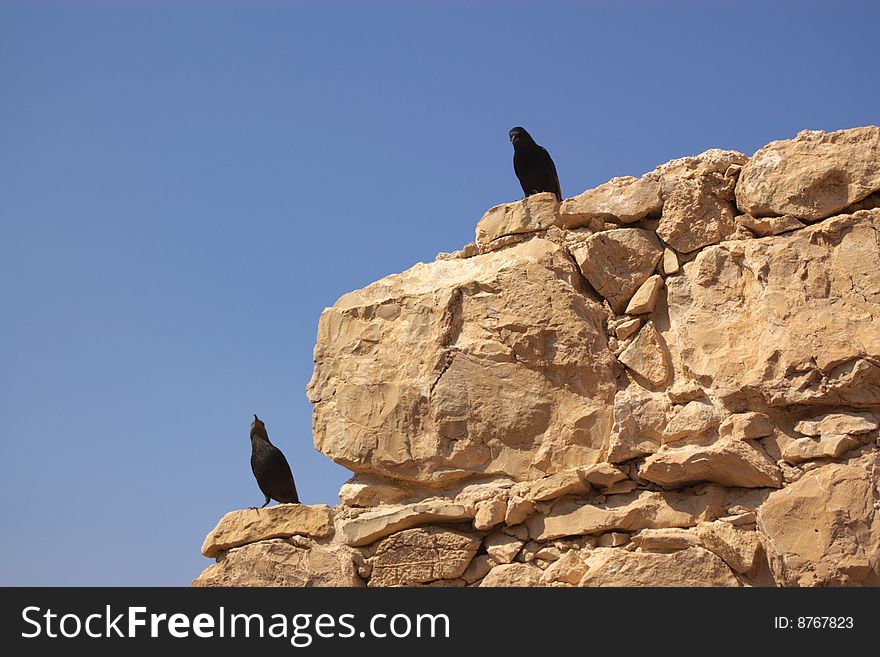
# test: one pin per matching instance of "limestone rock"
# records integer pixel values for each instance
(373, 525)
(629, 512)
(602, 475)
(513, 575)
(496, 364)
(518, 509)
(625, 199)
(738, 548)
(645, 298)
(764, 226)
(568, 569)
(531, 214)
(790, 319)
(625, 329)
(277, 563)
(691, 567)
(501, 547)
(669, 264)
(648, 356)
(665, 539)
(712, 161)
(416, 556)
(826, 446)
(490, 513)
(835, 424)
(812, 176)
(478, 568)
(698, 212)
(727, 462)
(365, 492)
(238, 528)
(568, 482)
(640, 419)
(746, 426)
(692, 419)
(824, 529)
(617, 262)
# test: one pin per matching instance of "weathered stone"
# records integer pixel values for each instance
(501, 547)
(764, 226)
(602, 475)
(727, 462)
(490, 513)
(277, 563)
(669, 264)
(665, 539)
(471, 495)
(826, 446)
(630, 512)
(645, 298)
(712, 161)
(373, 525)
(416, 556)
(739, 519)
(698, 212)
(640, 419)
(513, 575)
(790, 319)
(824, 529)
(568, 482)
(625, 199)
(738, 548)
(625, 329)
(834, 424)
(531, 214)
(281, 521)
(684, 568)
(746, 426)
(617, 262)
(518, 509)
(496, 364)
(363, 492)
(692, 419)
(478, 568)
(648, 356)
(812, 176)
(568, 569)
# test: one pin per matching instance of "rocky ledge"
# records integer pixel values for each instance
(665, 381)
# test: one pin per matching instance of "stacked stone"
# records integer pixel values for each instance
(670, 380)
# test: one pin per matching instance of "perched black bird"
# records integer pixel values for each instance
(270, 467)
(532, 165)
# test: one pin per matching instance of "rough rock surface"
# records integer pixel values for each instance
(824, 529)
(624, 199)
(496, 364)
(617, 262)
(671, 380)
(417, 556)
(691, 567)
(812, 176)
(238, 528)
(278, 563)
(533, 213)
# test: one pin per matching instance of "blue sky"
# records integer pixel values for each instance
(185, 186)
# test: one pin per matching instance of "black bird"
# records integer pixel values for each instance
(532, 165)
(270, 467)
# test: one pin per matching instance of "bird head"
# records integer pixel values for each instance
(257, 423)
(519, 134)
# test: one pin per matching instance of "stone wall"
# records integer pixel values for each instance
(665, 381)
